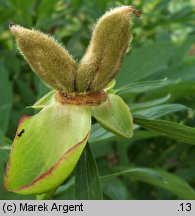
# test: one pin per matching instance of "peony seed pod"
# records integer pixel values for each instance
(103, 58)
(47, 58)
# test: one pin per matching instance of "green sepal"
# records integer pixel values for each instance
(45, 154)
(44, 101)
(114, 115)
(110, 87)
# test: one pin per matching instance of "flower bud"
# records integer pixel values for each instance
(47, 58)
(106, 50)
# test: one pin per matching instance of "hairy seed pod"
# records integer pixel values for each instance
(47, 58)
(103, 58)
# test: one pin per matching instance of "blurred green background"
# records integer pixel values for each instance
(163, 46)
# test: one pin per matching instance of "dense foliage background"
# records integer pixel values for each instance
(157, 163)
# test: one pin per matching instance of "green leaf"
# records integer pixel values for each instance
(182, 74)
(45, 7)
(41, 87)
(6, 98)
(158, 178)
(66, 191)
(26, 92)
(48, 149)
(148, 104)
(114, 115)
(99, 134)
(142, 173)
(145, 62)
(174, 184)
(87, 182)
(44, 101)
(159, 111)
(144, 135)
(181, 51)
(115, 189)
(4, 141)
(184, 11)
(178, 89)
(139, 87)
(169, 129)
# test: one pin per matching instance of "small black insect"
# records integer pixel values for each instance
(21, 132)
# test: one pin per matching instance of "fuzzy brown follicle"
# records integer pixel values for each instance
(90, 99)
(104, 56)
(48, 59)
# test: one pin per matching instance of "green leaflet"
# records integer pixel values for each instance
(115, 189)
(48, 149)
(159, 178)
(142, 173)
(173, 130)
(148, 104)
(87, 181)
(160, 110)
(114, 115)
(142, 86)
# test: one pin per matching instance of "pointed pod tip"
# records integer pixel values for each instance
(124, 9)
(11, 25)
(136, 12)
(15, 29)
